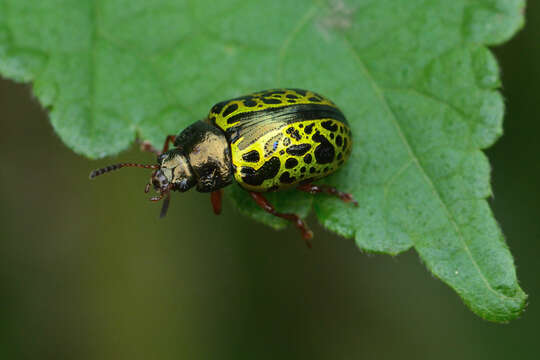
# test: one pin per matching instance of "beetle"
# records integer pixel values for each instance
(266, 141)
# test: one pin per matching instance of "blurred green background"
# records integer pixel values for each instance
(88, 271)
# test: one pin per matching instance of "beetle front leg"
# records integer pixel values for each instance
(215, 198)
(307, 234)
(315, 189)
(168, 139)
(146, 146)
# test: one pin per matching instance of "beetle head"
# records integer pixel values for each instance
(172, 172)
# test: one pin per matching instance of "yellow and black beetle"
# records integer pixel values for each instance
(267, 141)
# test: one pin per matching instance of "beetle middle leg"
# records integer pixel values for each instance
(215, 198)
(307, 234)
(315, 189)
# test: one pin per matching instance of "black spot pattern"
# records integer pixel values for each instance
(271, 101)
(329, 125)
(324, 152)
(256, 177)
(291, 163)
(286, 141)
(230, 109)
(315, 99)
(250, 102)
(286, 178)
(272, 144)
(293, 133)
(339, 140)
(311, 170)
(298, 150)
(303, 169)
(309, 128)
(218, 107)
(307, 159)
(296, 135)
(292, 96)
(344, 143)
(252, 156)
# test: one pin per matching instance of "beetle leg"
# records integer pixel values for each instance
(215, 198)
(315, 189)
(146, 146)
(168, 139)
(307, 235)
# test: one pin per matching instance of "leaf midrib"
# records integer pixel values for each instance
(415, 159)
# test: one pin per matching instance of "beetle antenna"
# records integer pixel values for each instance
(113, 167)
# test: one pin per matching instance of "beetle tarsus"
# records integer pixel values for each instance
(315, 189)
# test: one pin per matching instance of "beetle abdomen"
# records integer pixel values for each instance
(282, 137)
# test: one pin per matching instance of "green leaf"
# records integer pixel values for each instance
(413, 77)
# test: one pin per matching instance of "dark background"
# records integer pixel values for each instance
(87, 271)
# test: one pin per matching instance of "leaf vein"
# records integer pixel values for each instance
(304, 20)
(410, 151)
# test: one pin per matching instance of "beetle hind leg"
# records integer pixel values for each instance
(307, 234)
(315, 189)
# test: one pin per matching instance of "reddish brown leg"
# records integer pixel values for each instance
(157, 198)
(168, 139)
(146, 146)
(307, 235)
(215, 198)
(315, 189)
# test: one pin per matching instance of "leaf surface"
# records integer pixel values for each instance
(414, 78)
